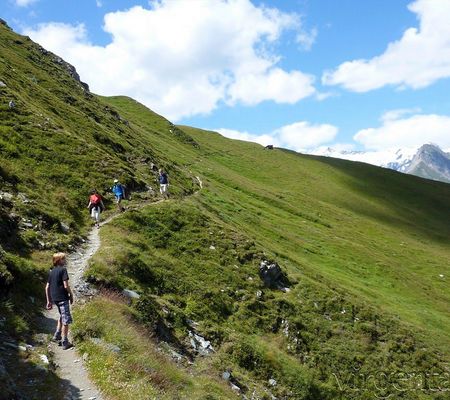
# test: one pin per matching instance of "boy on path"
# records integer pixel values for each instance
(95, 206)
(163, 184)
(119, 191)
(58, 292)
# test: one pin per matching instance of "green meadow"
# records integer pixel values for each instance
(364, 251)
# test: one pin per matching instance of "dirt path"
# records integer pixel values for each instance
(70, 364)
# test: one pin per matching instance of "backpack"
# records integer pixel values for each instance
(95, 199)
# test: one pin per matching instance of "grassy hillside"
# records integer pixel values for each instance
(364, 251)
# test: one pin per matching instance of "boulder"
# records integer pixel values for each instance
(272, 275)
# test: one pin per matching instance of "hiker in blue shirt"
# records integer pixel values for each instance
(119, 191)
(163, 183)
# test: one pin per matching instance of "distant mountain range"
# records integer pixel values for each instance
(429, 161)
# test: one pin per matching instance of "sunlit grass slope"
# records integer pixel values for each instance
(381, 235)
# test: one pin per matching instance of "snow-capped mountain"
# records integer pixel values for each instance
(428, 161)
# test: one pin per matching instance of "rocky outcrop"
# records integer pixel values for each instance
(430, 162)
(72, 71)
(272, 275)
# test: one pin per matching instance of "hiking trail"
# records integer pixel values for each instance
(69, 364)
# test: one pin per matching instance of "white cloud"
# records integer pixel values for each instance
(24, 3)
(307, 39)
(393, 115)
(275, 84)
(248, 137)
(418, 59)
(185, 57)
(99, 3)
(299, 136)
(303, 135)
(413, 131)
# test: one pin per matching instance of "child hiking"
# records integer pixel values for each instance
(95, 206)
(58, 292)
(163, 184)
(119, 192)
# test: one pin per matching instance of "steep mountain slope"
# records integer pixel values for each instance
(364, 252)
(430, 162)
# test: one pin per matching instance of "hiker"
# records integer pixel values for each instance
(163, 183)
(95, 206)
(58, 292)
(12, 104)
(119, 191)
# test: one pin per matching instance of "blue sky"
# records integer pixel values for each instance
(302, 74)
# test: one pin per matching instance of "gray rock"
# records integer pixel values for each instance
(26, 225)
(226, 375)
(200, 344)
(131, 294)
(23, 198)
(6, 196)
(2, 84)
(235, 388)
(176, 356)
(65, 228)
(272, 275)
(272, 382)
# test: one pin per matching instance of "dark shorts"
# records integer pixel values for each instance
(64, 311)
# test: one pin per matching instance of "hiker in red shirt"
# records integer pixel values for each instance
(95, 206)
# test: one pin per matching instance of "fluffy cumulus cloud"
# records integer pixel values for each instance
(185, 57)
(412, 131)
(299, 136)
(419, 58)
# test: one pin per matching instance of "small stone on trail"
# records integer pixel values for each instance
(212, 247)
